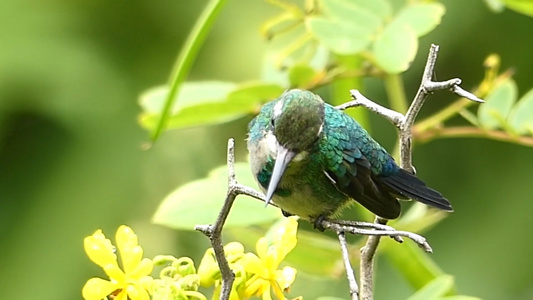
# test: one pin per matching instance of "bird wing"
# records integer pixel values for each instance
(351, 171)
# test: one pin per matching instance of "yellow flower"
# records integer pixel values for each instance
(264, 266)
(133, 282)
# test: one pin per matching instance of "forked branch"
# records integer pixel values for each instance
(374, 230)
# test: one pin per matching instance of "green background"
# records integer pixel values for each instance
(71, 158)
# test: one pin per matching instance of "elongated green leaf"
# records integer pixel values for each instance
(185, 60)
(493, 113)
(421, 17)
(419, 218)
(395, 48)
(207, 103)
(191, 93)
(315, 254)
(459, 297)
(414, 264)
(199, 202)
(521, 116)
(345, 11)
(340, 38)
(436, 288)
(255, 93)
(496, 6)
(522, 6)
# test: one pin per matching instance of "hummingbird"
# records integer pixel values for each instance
(313, 160)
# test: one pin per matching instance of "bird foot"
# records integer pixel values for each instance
(286, 214)
(317, 224)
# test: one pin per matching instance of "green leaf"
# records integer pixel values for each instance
(380, 8)
(421, 17)
(207, 103)
(255, 93)
(199, 202)
(459, 297)
(436, 288)
(498, 103)
(522, 6)
(520, 117)
(496, 6)
(184, 62)
(301, 75)
(348, 12)
(395, 48)
(315, 254)
(412, 262)
(191, 93)
(419, 218)
(340, 38)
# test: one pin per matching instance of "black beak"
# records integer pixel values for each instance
(283, 159)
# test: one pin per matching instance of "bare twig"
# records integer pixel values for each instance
(367, 264)
(378, 229)
(354, 289)
(214, 232)
(393, 116)
(469, 131)
(373, 230)
(404, 125)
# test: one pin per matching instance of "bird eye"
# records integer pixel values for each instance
(272, 122)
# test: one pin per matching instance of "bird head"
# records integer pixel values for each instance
(297, 122)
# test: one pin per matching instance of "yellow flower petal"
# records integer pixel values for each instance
(234, 251)
(285, 277)
(253, 264)
(266, 295)
(286, 234)
(97, 289)
(255, 286)
(130, 251)
(262, 247)
(278, 292)
(123, 295)
(144, 268)
(208, 269)
(115, 273)
(136, 292)
(99, 249)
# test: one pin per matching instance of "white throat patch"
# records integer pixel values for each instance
(278, 109)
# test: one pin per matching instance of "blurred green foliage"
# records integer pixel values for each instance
(71, 159)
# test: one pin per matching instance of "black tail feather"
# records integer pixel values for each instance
(408, 185)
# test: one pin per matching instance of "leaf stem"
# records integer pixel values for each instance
(468, 131)
(185, 59)
(396, 92)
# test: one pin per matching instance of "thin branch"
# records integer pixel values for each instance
(469, 131)
(378, 229)
(354, 289)
(367, 264)
(373, 230)
(214, 232)
(394, 117)
(404, 124)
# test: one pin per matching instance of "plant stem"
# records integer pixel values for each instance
(185, 59)
(341, 87)
(396, 92)
(468, 131)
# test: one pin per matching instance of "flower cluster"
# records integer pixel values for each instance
(256, 275)
(133, 282)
